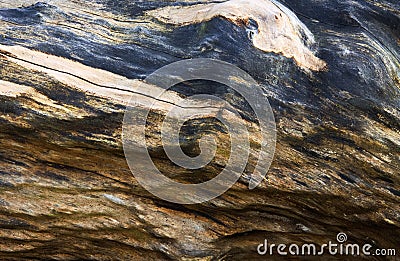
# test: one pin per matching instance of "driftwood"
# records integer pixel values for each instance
(67, 70)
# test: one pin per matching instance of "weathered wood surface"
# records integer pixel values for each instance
(66, 192)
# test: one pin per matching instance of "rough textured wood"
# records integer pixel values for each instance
(66, 191)
(275, 29)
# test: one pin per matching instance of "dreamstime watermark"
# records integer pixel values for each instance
(331, 248)
(155, 96)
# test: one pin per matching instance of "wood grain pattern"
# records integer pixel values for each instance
(66, 192)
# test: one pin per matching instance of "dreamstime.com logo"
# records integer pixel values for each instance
(331, 248)
(178, 110)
